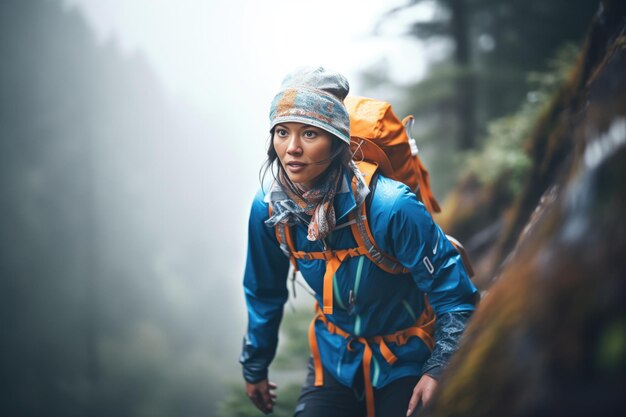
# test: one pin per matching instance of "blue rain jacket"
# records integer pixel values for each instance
(367, 300)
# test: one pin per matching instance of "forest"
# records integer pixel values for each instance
(113, 303)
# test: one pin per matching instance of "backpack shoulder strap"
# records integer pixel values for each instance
(364, 237)
(285, 240)
(361, 228)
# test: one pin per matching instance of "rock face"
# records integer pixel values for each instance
(549, 338)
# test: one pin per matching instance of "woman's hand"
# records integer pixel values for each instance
(262, 395)
(423, 392)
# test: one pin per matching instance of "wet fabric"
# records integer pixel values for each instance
(448, 330)
(367, 300)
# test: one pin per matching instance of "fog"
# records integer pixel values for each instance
(131, 137)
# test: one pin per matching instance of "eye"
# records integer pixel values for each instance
(281, 133)
(309, 134)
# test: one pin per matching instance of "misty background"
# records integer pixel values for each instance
(131, 137)
(132, 134)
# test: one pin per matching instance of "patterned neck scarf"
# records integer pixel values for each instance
(318, 203)
(289, 208)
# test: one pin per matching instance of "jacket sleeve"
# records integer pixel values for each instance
(437, 269)
(422, 247)
(265, 291)
(448, 330)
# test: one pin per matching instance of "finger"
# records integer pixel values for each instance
(272, 393)
(259, 402)
(428, 391)
(268, 400)
(415, 398)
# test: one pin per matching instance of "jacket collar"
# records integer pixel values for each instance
(344, 200)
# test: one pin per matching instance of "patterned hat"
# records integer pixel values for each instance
(313, 96)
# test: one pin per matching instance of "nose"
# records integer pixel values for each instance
(294, 146)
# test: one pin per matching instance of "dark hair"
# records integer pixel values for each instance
(340, 156)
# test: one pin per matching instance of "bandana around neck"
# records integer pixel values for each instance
(318, 203)
(289, 208)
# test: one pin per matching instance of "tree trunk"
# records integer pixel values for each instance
(465, 84)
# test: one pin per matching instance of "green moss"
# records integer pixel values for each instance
(610, 355)
(503, 153)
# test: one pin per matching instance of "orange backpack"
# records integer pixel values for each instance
(378, 136)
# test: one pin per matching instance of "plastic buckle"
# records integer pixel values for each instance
(285, 249)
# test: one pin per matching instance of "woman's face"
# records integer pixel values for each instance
(299, 147)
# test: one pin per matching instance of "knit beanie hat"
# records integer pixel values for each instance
(313, 96)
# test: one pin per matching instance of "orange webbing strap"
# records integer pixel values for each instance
(367, 169)
(283, 236)
(423, 177)
(367, 359)
(464, 256)
(363, 234)
(426, 193)
(424, 332)
(333, 259)
(423, 328)
(369, 389)
(332, 266)
(315, 352)
(284, 240)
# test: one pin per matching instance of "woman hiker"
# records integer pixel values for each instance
(371, 348)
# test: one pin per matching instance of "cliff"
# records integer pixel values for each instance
(548, 338)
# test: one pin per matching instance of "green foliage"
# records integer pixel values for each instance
(610, 355)
(522, 36)
(547, 82)
(292, 356)
(483, 76)
(503, 151)
(238, 405)
(157, 377)
(293, 350)
(109, 304)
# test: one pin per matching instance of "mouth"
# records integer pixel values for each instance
(295, 166)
